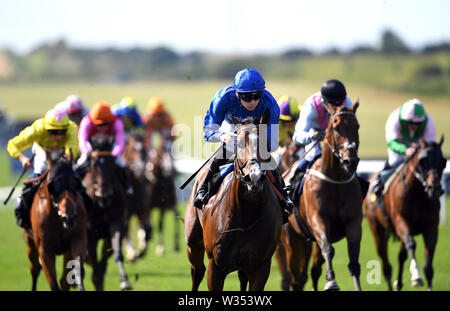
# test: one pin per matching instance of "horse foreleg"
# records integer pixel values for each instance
(145, 232)
(298, 252)
(48, 264)
(316, 267)
(216, 277)
(410, 246)
(243, 280)
(353, 246)
(381, 245)
(327, 251)
(160, 246)
(116, 243)
(33, 256)
(281, 256)
(97, 280)
(176, 237)
(65, 286)
(402, 255)
(78, 252)
(258, 279)
(430, 239)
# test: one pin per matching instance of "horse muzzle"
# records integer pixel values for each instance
(350, 164)
(68, 221)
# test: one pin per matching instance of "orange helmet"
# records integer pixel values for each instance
(155, 105)
(101, 113)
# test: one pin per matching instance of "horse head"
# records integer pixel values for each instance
(63, 186)
(102, 166)
(342, 137)
(248, 153)
(428, 165)
(290, 154)
(134, 155)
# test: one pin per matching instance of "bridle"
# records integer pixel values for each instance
(251, 160)
(347, 146)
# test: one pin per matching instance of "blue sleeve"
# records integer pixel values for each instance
(137, 120)
(273, 134)
(215, 116)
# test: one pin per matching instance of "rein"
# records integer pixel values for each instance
(326, 178)
(345, 145)
(98, 153)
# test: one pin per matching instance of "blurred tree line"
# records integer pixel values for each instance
(58, 62)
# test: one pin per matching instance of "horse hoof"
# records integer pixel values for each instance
(395, 285)
(159, 250)
(331, 285)
(417, 283)
(125, 285)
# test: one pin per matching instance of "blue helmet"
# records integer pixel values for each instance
(249, 80)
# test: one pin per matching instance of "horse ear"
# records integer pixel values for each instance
(441, 141)
(265, 118)
(355, 106)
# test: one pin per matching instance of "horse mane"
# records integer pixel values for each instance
(61, 174)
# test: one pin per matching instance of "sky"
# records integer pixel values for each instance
(225, 26)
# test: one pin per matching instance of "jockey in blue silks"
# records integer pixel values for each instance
(247, 97)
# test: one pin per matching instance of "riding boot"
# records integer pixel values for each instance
(209, 184)
(286, 204)
(23, 205)
(298, 176)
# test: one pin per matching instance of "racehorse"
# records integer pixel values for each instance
(137, 204)
(107, 218)
(330, 206)
(160, 174)
(240, 226)
(410, 207)
(59, 225)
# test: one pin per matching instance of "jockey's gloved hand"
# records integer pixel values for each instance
(227, 138)
(319, 135)
(25, 161)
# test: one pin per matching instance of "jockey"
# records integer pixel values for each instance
(52, 132)
(158, 120)
(289, 113)
(247, 97)
(73, 106)
(404, 127)
(313, 122)
(101, 120)
(127, 111)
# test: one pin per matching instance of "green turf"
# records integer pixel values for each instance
(172, 270)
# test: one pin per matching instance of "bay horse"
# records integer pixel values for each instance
(59, 225)
(240, 226)
(411, 207)
(160, 174)
(137, 204)
(107, 218)
(329, 207)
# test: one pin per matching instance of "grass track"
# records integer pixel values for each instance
(172, 270)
